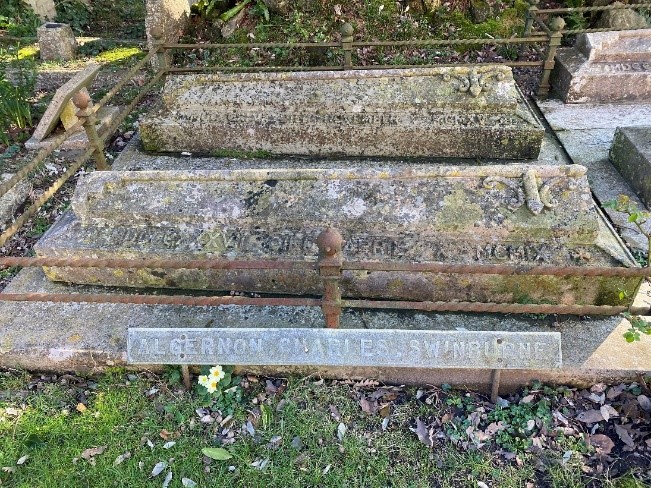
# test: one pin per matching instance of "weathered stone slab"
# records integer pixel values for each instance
(62, 97)
(56, 42)
(605, 67)
(448, 112)
(519, 214)
(631, 155)
(346, 347)
(13, 199)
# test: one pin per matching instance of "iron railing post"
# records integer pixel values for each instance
(330, 244)
(555, 38)
(347, 32)
(81, 99)
(530, 16)
(157, 47)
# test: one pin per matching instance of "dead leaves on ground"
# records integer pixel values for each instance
(604, 429)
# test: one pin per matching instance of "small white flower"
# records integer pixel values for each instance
(203, 380)
(212, 385)
(217, 373)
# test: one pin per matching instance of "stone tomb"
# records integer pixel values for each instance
(464, 112)
(605, 67)
(517, 214)
(631, 155)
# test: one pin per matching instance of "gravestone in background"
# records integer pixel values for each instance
(605, 67)
(516, 214)
(631, 155)
(463, 112)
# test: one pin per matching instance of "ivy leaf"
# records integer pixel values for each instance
(216, 453)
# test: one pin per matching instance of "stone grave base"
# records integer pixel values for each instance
(91, 337)
(13, 199)
(78, 141)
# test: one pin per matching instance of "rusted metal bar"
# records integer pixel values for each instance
(199, 301)
(347, 44)
(586, 31)
(157, 263)
(482, 307)
(251, 45)
(87, 116)
(495, 384)
(448, 42)
(540, 23)
(39, 158)
(403, 66)
(555, 39)
(530, 16)
(123, 81)
(330, 244)
(594, 9)
(446, 268)
(253, 69)
(203, 301)
(185, 372)
(31, 211)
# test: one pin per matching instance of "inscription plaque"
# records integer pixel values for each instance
(468, 112)
(346, 347)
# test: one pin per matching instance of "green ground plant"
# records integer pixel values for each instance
(15, 107)
(17, 19)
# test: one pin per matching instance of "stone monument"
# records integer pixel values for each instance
(631, 155)
(474, 112)
(516, 214)
(605, 67)
(56, 42)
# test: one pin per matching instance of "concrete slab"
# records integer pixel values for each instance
(91, 337)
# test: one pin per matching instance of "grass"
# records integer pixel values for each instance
(42, 419)
(47, 426)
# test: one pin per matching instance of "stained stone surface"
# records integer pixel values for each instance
(605, 67)
(56, 42)
(45, 9)
(631, 155)
(586, 132)
(519, 214)
(345, 347)
(431, 112)
(13, 199)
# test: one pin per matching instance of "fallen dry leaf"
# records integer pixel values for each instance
(423, 433)
(93, 451)
(608, 412)
(603, 443)
(158, 469)
(624, 435)
(81, 408)
(590, 417)
(645, 402)
(121, 458)
(368, 406)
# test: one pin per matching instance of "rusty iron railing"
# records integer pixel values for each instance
(331, 263)
(330, 266)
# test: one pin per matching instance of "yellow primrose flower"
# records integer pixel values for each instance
(217, 373)
(212, 386)
(203, 380)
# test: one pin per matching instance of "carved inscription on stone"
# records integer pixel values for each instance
(346, 347)
(621, 67)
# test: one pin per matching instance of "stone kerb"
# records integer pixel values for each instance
(518, 214)
(474, 112)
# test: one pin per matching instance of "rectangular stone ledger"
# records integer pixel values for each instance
(518, 214)
(605, 67)
(631, 155)
(346, 347)
(448, 112)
